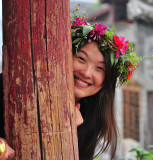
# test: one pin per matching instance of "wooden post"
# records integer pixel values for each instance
(38, 80)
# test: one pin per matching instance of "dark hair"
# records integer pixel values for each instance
(98, 114)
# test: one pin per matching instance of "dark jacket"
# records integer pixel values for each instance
(1, 108)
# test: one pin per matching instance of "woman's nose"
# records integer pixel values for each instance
(86, 72)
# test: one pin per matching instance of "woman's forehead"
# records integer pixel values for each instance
(91, 50)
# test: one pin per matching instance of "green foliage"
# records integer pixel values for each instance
(148, 57)
(134, 60)
(142, 154)
(96, 158)
(109, 33)
(113, 59)
(76, 40)
(130, 45)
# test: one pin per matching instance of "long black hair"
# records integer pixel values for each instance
(98, 114)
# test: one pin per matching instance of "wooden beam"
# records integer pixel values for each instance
(38, 88)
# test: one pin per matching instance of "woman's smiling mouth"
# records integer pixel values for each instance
(80, 82)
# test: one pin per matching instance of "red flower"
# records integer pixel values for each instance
(118, 44)
(129, 74)
(130, 70)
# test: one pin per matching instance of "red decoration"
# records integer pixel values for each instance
(118, 43)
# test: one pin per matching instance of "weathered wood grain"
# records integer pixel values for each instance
(39, 108)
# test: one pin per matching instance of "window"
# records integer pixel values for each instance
(131, 110)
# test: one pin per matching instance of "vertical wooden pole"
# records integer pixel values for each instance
(38, 80)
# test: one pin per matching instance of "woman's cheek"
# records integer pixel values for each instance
(76, 65)
(100, 78)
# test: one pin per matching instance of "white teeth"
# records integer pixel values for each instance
(81, 82)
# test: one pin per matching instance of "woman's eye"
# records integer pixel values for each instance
(82, 59)
(100, 68)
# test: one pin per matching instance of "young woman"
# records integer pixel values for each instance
(94, 87)
(100, 60)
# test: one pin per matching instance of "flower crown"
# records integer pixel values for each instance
(122, 54)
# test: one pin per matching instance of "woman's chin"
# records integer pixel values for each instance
(78, 95)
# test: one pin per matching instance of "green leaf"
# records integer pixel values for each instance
(145, 155)
(76, 40)
(96, 158)
(87, 29)
(82, 43)
(130, 45)
(112, 28)
(116, 60)
(112, 58)
(81, 26)
(73, 34)
(109, 34)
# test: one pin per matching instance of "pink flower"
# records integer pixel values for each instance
(79, 22)
(125, 46)
(117, 54)
(98, 31)
(121, 45)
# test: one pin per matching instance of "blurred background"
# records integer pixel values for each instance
(134, 104)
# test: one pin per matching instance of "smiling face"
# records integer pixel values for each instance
(88, 70)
